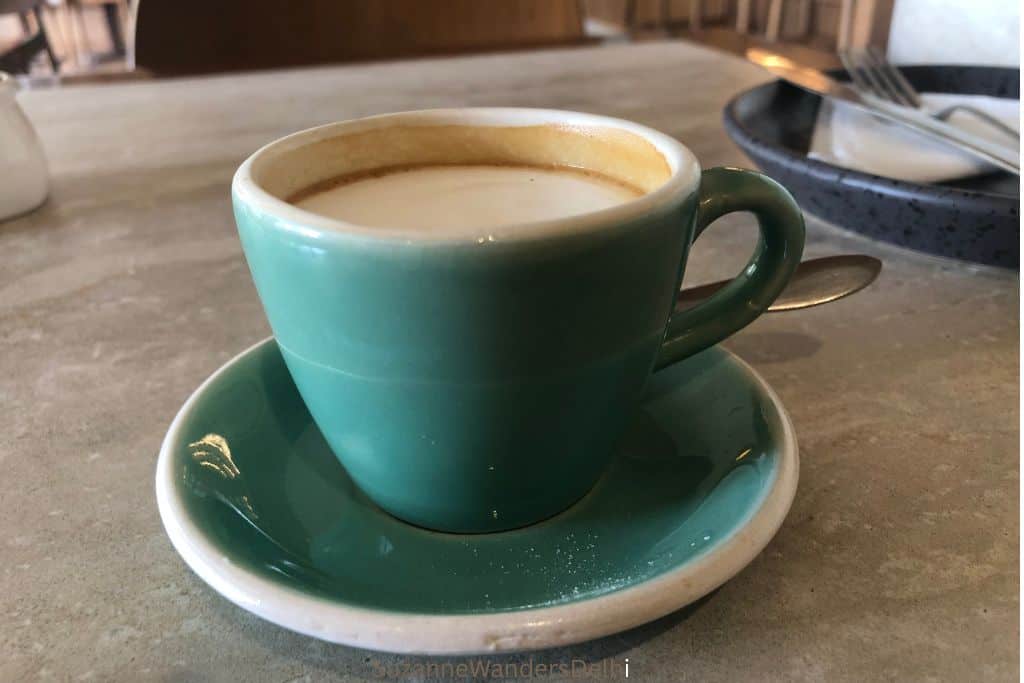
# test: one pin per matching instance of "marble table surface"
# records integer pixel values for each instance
(899, 560)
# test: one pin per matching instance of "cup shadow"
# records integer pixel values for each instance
(773, 347)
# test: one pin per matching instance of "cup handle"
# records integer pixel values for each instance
(725, 190)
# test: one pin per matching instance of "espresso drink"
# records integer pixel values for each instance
(458, 197)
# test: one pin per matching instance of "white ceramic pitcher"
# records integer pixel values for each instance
(22, 164)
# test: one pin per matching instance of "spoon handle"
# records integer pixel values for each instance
(815, 282)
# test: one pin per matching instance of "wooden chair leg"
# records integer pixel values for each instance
(743, 16)
(845, 25)
(84, 47)
(69, 36)
(54, 62)
(774, 26)
(696, 15)
(75, 27)
(629, 15)
(60, 38)
(803, 18)
(112, 15)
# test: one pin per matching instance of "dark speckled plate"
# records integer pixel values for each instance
(975, 219)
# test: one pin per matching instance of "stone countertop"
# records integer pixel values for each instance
(898, 561)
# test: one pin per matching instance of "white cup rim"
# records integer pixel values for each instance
(683, 180)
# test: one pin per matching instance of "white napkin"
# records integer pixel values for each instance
(848, 137)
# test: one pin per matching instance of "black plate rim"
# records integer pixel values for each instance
(822, 170)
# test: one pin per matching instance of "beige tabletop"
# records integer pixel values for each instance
(118, 297)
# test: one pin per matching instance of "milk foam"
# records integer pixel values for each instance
(442, 198)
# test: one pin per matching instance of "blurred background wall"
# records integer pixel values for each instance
(89, 39)
(956, 32)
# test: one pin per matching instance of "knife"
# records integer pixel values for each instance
(819, 83)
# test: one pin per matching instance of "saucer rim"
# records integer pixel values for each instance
(461, 634)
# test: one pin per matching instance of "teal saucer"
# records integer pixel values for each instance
(256, 503)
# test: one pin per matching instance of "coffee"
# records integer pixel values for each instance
(455, 197)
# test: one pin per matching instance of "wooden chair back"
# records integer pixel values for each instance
(174, 37)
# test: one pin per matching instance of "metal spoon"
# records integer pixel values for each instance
(815, 282)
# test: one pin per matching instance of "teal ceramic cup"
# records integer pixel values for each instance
(479, 380)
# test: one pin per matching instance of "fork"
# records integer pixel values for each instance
(874, 74)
